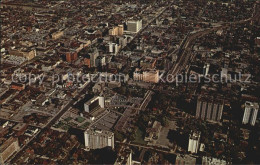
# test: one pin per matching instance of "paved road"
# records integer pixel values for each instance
(56, 117)
(184, 52)
(146, 147)
(145, 27)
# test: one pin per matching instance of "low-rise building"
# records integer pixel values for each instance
(8, 148)
(151, 76)
(124, 157)
(185, 159)
(212, 161)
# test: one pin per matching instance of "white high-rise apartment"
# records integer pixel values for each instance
(95, 139)
(250, 113)
(194, 140)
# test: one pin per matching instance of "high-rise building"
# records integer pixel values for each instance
(95, 139)
(71, 56)
(209, 109)
(117, 31)
(122, 41)
(250, 113)
(194, 141)
(120, 30)
(113, 48)
(93, 56)
(224, 73)
(134, 25)
(8, 148)
(101, 61)
(95, 102)
(113, 31)
(206, 69)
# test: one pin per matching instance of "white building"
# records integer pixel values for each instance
(95, 139)
(194, 140)
(147, 76)
(224, 73)
(209, 108)
(113, 48)
(250, 113)
(97, 101)
(206, 69)
(134, 25)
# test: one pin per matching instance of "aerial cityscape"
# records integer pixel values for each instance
(129, 82)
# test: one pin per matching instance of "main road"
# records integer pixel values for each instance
(157, 15)
(55, 118)
(184, 51)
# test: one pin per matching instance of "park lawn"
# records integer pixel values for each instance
(139, 137)
(80, 119)
(68, 119)
(85, 125)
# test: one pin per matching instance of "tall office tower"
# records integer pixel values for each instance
(8, 148)
(95, 139)
(120, 30)
(100, 61)
(122, 41)
(206, 69)
(194, 140)
(209, 108)
(117, 30)
(93, 56)
(224, 73)
(113, 31)
(250, 113)
(134, 25)
(113, 48)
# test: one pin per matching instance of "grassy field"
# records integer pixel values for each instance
(139, 137)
